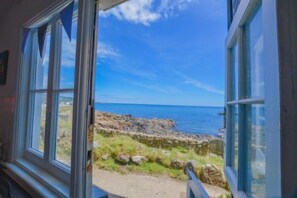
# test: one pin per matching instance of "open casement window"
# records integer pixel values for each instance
(247, 135)
(56, 101)
(50, 106)
(50, 93)
(54, 146)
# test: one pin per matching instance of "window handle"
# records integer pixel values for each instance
(223, 114)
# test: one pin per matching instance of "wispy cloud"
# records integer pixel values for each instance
(154, 87)
(204, 86)
(200, 85)
(113, 98)
(132, 70)
(147, 11)
(68, 54)
(168, 8)
(139, 73)
(106, 51)
(136, 11)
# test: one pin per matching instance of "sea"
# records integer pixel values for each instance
(189, 119)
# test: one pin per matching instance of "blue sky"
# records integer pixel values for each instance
(162, 52)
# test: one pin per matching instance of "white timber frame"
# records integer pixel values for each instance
(81, 161)
(271, 101)
(43, 179)
(26, 167)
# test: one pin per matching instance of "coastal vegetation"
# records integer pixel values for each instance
(126, 144)
(155, 161)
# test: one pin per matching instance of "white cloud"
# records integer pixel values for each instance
(104, 50)
(133, 70)
(68, 53)
(204, 86)
(147, 11)
(168, 8)
(200, 85)
(136, 11)
(114, 98)
(154, 87)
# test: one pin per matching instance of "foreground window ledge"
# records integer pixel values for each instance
(36, 181)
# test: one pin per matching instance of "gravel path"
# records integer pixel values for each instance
(133, 185)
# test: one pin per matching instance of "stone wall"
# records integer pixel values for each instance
(217, 147)
(166, 142)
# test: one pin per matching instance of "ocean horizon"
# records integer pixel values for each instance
(189, 119)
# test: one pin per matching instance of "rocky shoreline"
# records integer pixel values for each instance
(155, 143)
(156, 127)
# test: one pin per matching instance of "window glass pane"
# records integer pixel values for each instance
(234, 129)
(64, 128)
(255, 69)
(255, 120)
(38, 122)
(42, 64)
(67, 70)
(235, 72)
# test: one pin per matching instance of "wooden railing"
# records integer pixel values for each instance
(194, 186)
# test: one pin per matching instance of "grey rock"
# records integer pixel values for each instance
(96, 144)
(176, 164)
(105, 157)
(165, 152)
(212, 175)
(123, 159)
(138, 159)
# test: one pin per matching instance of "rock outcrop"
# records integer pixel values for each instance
(138, 160)
(128, 123)
(123, 159)
(105, 157)
(212, 175)
(177, 164)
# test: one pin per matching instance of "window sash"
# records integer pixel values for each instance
(47, 159)
(84, 63)
(238, 36)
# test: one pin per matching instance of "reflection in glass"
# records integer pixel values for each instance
(235, 4)
(234, 129)
(255, 185)
(235, 72)
(38, 121)
(42, 64)
(68, 49)
(64, 128)
(255, 67)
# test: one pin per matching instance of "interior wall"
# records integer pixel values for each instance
(287, 31)
(11, 24)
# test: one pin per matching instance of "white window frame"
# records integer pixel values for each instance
(46, 160)
(272, 139)
(41, 181)
(27, 167)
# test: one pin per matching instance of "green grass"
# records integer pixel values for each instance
(158, 159)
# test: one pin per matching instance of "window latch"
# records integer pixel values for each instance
(223, 114)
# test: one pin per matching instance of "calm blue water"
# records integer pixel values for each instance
(189, 119)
